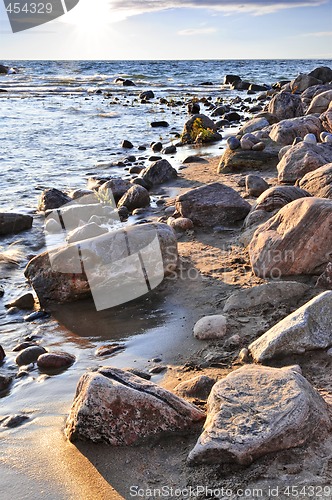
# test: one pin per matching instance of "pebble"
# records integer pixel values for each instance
(170, 210)
(169, 150)
(180, 224)
(246, 145)
(211, 327)
(109, 349)
(260, 146)
(310, 139)
(14, 421)
(297, 140)
(55, 360)
(244, 355)
(29, 355)
(159, 124)
(233, 143)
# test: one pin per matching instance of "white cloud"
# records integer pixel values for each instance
(197, 31)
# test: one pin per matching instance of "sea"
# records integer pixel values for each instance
(61, 123)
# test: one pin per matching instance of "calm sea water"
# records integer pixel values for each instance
(55, 131)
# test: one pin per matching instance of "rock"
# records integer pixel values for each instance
(325, 279)
(109, 349)
(297, 240)
(146, 95)
(326, 119)
(211, 327)
(302, 82)
(169, 150)
(233, 116)
(241, 85)
(318, 182)
(257, 88)
(3, 69)
(119, 408)
(85, 232)
(2, 354)
(230, 79)
(26, 301)
(253, 125)
(52, 226)
(212, 205)
(306, 329)
(301, 159)
(124, 82)
(320, 103)
(51, 199)
(55, 361)
(285, 105)
(198, 125)
(260, 146)
(2, 291)
(310, 139)
(136, 197)
(219, 111)
(255, 185)
(246, 144)
(238, 160)
(158, 172)
(194, 159)
(37, 315)
(157, 147)
(180, 224)
(308, 95)
(272, 293)
(323, 73)
(111, 264)
(286, 131)
(159, 124)
(79, 193)
(193, 108)
(114, 188)
(11, 223)
(197, 387)
(258, 410)
(233, 143)
(127, 144)
(14, 421)
(276, 197)
(29, 355)
(23, 345)
(157, 369)
(5, 383)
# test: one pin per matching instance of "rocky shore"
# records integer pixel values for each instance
(246, 241)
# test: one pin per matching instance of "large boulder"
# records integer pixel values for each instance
(285, 105)
(52, 198)
(158, 172)
(301, 159)
(306, 329)
(113, 188)
(200, 128)
(297, 240)
(308, 95)
(136, 197)
(116, 267)
(11, 223)
(239, 160)
(326, 119)
(319, 182)
(302, 82)
(255, 124)
(320, 103)
(286, 131)
(271, 201)
(272, 293)
(323, 73)
(258, 410)
(213, 205)
(120, 408)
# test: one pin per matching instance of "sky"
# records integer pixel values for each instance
(186, 29)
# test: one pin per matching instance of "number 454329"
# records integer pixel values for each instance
(29, 8)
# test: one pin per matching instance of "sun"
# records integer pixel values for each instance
(93, 16)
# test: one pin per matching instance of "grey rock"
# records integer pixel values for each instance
(258, 410)
(272, 293)
(51, 199)
(11, 223)
(301, 159)
(211, 327)
(29, 355)
(320, 103)
(233, 143)
(114, 188)
(302, 82)
(285, 105)
(318, 182)
(286, 131)
(158, 172)
(306, 329)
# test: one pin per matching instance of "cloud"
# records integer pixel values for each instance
(197, 31)
(317, 34)
(254, 7)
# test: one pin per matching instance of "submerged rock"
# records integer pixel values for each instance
(297, 240)
(11, 223)
(121, 409)
(306, 329)
(258, 410)
(212, 205)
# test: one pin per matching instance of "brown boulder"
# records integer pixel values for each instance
(285, 105)
(136, 197)
(55, 361)
(119, 408)
(320, 103)
(297, 240)
(319, 182)
(212, 205)
(301, 159)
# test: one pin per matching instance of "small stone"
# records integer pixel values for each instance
(157, 147)
(5, 382)
(140, 373)
(109, 349)
(170, 210)
(310, 139)
(14, 421)
(55, 361)
(255, 185)
(157, 369)
(29, 355)
(37, 315)
(127, 144)
(246, 145)
(244, 355)
(296, 141)
(233, 143)
(328, 139)
(180, 224)
(260, 146)
(211, 327)
(197, 387)
(159, 124)
(169, 150)
(26, 301)
(24, 345)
